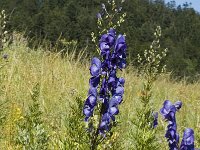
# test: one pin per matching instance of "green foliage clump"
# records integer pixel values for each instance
(144, 134)
(31, 131)
(58, 78)
(76, 137)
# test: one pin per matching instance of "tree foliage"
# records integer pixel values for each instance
(75, 20)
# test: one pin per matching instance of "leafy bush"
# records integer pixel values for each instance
(31, 131)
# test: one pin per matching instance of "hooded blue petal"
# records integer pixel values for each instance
(178, 105)
(188, 140)
(119, 90)
(99, 16)
(92, 91)
(113, 111)
(95, 67)
(120, 44)
(94, 81)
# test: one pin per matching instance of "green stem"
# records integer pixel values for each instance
(94, 142)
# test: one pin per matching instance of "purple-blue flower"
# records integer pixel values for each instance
(105, 86)
(99, 16)
(178, 105)
(91, 101)
(103, 6)
(95, 67)
(188, 140)
(120, 52)
(155, 121)
(172, 135)
(106, 43)
(111, 106)
(95, 71)
(168, 111)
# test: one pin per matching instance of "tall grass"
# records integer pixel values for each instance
(63, 78)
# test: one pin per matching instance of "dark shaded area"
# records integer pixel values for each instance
(76, 19)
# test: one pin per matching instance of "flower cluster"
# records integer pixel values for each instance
(111, 88)
(3, 32)
(168, 111)
(188, 140)
(91, 101)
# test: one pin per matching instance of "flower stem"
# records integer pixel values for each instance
(94, 142)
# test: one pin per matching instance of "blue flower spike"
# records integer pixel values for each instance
(105, 86)
(168, 111)
(91, 101)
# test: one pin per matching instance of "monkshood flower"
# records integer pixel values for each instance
(113, 51)
(106, 43)
(111, 107)
(178, 105)
(119, 54)
(155, 121)
(91, 101)
(168, 107)
(99, 16)
(103, 6)
(168, 111)
(105, 87)
(188, 140)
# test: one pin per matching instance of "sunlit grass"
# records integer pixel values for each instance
(62, 78)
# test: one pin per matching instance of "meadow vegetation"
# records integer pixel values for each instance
(44, 103)
(42, 94)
